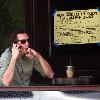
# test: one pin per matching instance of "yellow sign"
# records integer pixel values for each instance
(77, 27)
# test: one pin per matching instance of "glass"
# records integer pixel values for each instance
(70, 71)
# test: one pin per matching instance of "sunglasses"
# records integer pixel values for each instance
(24, 41)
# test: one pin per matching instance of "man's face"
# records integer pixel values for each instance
(23, 42)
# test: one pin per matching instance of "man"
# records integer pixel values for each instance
(18, 61)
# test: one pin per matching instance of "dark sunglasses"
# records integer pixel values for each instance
(24, 41)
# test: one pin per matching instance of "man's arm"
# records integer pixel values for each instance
(9, 73)
(47, 70)
(45, 66)
(10, 67)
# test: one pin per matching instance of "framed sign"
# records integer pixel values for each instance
(75, 27)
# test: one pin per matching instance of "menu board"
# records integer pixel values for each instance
(77, 27)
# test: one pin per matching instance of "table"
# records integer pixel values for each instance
(73, 81)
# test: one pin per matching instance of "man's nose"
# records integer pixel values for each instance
(27, 43)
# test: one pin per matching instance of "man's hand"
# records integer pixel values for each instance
(15, 51)
(32, 51)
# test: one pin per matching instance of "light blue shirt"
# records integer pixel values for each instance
(23, 68)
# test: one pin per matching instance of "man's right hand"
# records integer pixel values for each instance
(15, 51)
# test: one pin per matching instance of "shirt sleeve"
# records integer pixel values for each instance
(1, 83)
(4, 62)
(38, 66)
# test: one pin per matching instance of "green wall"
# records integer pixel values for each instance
(12, 16)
